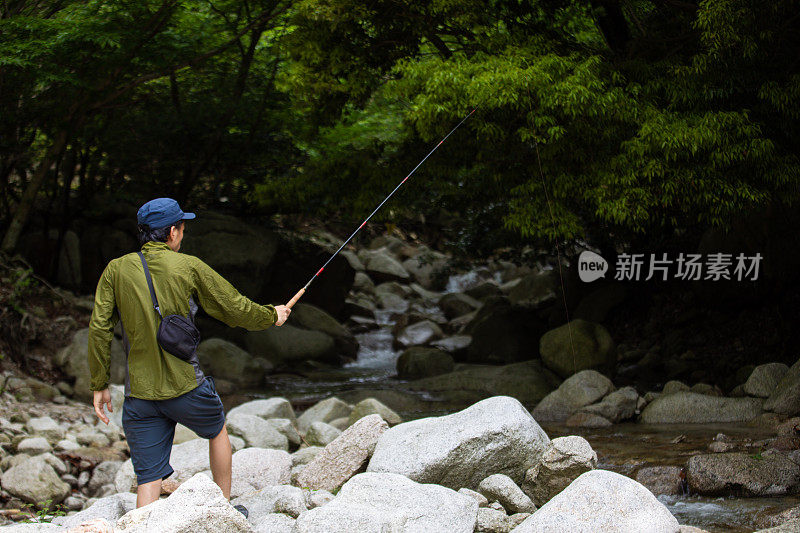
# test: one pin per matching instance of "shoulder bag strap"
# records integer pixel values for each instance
(150, 284)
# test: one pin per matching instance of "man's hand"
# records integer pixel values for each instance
(102, 397)
(283, 314)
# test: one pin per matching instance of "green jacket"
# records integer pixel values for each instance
(179, 281)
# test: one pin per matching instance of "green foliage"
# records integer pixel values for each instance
(44, 514)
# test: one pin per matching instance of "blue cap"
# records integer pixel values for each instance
(161, 212)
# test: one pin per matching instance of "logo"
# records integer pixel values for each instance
(591, 266)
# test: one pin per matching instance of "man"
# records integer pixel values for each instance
(161, 389)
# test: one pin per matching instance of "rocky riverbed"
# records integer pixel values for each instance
(421, 391)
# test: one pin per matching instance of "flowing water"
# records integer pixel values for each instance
(623, 448)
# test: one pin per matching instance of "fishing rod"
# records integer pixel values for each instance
(303, 290)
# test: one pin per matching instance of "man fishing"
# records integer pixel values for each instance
(162, 389)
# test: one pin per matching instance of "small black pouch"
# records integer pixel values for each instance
(176, 334)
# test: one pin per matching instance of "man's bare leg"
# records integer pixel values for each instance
(148, 493)
(219, 455)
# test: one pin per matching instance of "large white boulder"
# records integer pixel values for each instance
(380, 502)
(494, 436)
(197, 505)
(605, 501)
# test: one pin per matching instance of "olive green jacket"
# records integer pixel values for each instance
(179, 279)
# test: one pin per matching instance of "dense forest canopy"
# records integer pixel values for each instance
(633, 117)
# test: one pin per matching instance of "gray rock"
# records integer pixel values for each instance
(261, 467)
(288, 344)
(605, 501)
(383, 267)
(785, 399)
(369, 406)
(503, 333)
(225, 360)
(287, 428)
(720, 474)
(579, 345)
(496, 435)
(103, 474)
(74, 361)
(693, 408)
(792, 526)
(582, 389)
(378, 502)
(671, 387)
(274, 523)
(256, 431)
(34, 446)
(535, 289)
(503, 489)
(324, 411)
(35, 481)
(363, 283)
(482, 500)
(456, 344)
(315, 319)
(45, 427)
(587, 420)
(661, 480)
(110, 508)
(344, 456)
(564, 460)
(317, 498)
(426, 267)
(275, 499)
(420, 333)
(197, 505)
(618, 406)
(421, 362)
(267, 408)
(303, 456)
(321, 434)
(457, 304)
(492, 521)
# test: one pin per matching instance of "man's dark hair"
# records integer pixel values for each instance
(146, 234)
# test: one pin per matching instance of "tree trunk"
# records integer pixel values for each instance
(23, 211)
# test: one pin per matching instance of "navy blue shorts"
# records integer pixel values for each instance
(150, 426)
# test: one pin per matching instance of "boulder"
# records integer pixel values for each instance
(535, 289)
(492, 521)
(421, 362)
(785, 399)
(225, 360)
(103, 474)
(261, 467)
(764, 379)
(693, 408)
(582, 389)
(321, 434)
(274, 499)
(457, 304)
(598, 304)
(587, 420)
(324, 411)
(344, 456)
(381, 266)
(34, 480)
(110, 508)
(528, 381)
(315, 319)
(267, 408)
(502, 333)
(618, 406)
(427, 268)
(578, 345)
(256, 431)
(371, 406)
(605, 501)
(671, 387)
(456, 345)
(74, 361)
(501, 488)
(46, 427)
(563, 461)
(274, 523)
(420, 333)
(197, 505)
(288, 344)
(739, 474)
(378, 502)
(494, 436)
(34, 446)
(661, 480)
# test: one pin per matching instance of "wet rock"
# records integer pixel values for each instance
(456, 345)
(224, 359)
(34, 481)
(493, 436)
(764, 379)
(426, 268)
(582, 389)
(579, 345)
(535, 289)
(600, 500)
(457, 304)
(323, 411)
(344, 456)
(420, 333)
(740, 474)
(528, 382)
(587, 420)
(785, 399)
(371, 406)
(693, 408)
(363, 283)
(661, 480)
(420, 362)
(267, 408)
(502, 333)
(374, 502)
(563, 461)
(503, 489)
(198, 505)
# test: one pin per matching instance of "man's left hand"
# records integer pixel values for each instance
(102, 397)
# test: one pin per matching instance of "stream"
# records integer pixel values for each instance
(623, 448)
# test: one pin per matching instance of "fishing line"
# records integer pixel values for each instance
(303, 290)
